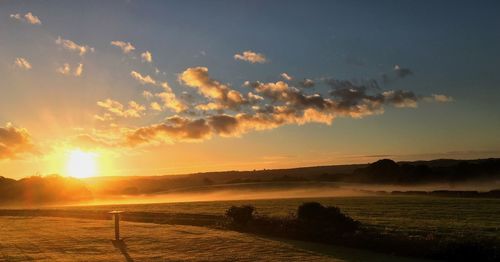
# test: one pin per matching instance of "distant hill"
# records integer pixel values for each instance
(48, 189)
(384, 172)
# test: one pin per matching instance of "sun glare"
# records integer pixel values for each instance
(81, 164)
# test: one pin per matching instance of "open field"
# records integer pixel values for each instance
(66, 239)
(455, 217)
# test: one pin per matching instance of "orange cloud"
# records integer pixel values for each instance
(126, 47)
(251, 57)
(28, 18)
(72, 46)
(22, 63)
(14, 142)
(221, 94)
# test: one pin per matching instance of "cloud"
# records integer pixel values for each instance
(22, 63)
(65, 69)
(170, 100)
(281, 91)
(360, 99)
(400, 98)
(267, 106)
(168, 97)
(174, 128)
(134, 110)
(27, 18)
(72, 46)
(286, 76)
(184, 129)
(15, 142)
(155, 106)
(222, 96)
(251, 57)
(126, 47)
(402, 72)
(32, 19)
(143, 79)
(147, 57)
(79, 70)
(148, 95)
(442, 98)
(307, 83)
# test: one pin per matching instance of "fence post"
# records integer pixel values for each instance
(116, 216)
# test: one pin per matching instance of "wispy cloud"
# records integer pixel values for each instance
(126, 47)
(65, 69)
(27, 18)
(440, 98)
(146, 79)
(251, 57)
(22, 63)
(133, 110)
(72, 46)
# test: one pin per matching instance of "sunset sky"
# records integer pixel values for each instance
(167, 87)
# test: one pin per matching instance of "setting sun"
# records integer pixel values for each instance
(81, 164)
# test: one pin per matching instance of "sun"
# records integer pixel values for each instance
(81, 164)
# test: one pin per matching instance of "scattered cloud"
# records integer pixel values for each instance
(156, 106)
(146, 79)
(72, 46)
(170, 100)
(148, 95)
(286, 76)
(27, 18)
(400, 98)
(65, 69)
(221, 95)
(442, 98)
(147, 57)
(126, 47)
(251, 57)
(268, 105)
(79, 70)
(22, 63)
(307, 83)
(134, 110)
(167, 96)
(15, 142)
(402, 72)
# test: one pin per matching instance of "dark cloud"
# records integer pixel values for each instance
(402, 72)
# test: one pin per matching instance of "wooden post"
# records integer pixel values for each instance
(116, 216)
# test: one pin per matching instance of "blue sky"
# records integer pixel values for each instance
(451, 48)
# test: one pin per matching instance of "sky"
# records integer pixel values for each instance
(169, 87)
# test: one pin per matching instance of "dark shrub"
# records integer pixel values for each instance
(240, 215)
(310, 211)
(317, 217)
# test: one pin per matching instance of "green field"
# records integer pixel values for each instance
(454, 217)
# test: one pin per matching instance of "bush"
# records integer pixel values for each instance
(327, 219)
(240, 215)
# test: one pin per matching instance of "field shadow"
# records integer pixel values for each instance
(122, 246)
(344, 253)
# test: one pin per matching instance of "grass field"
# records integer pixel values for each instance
(66, 239)
(411, 215)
